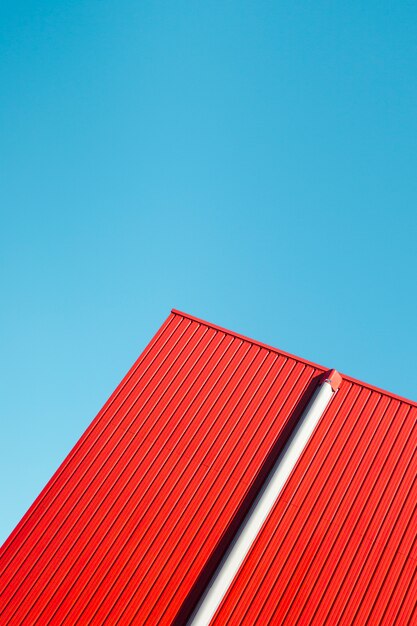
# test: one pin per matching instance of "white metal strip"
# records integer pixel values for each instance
(248, 531)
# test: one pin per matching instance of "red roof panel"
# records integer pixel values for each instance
(133, 523)
(337, 547)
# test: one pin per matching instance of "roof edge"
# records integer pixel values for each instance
(345, 377)
(253, 341)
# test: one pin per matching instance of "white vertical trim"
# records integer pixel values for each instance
(260, 509)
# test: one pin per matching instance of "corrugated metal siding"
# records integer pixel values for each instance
(133, 522)
(340, 546)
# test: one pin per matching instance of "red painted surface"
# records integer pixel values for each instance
(340, 545)
(335, 379)
(132, 524)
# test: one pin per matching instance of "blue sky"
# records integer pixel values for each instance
(251, 163)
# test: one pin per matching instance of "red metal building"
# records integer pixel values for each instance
(134, 524)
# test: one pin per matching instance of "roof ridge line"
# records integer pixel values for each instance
(346, 377)
(249, 339)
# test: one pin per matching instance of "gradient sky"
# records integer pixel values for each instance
(251, 163)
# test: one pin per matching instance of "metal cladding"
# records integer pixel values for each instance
(340, 545)
(134, 522)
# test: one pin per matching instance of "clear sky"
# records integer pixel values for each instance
(251, 163)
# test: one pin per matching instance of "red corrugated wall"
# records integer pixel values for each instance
(340, 545)
(133, 522)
